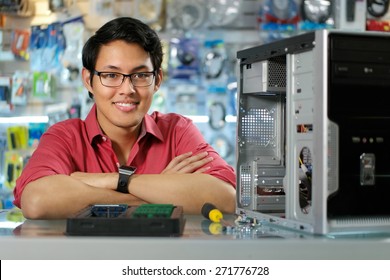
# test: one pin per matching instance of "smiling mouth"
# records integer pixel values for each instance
(126, 104)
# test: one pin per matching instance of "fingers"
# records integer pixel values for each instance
(177, 160)
(188, 163)
(194, 163)
(202, 169)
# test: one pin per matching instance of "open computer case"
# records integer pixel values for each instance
(313, 132)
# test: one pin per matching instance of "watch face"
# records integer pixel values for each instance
(129, 170)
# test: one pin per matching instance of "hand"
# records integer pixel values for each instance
(188, 163)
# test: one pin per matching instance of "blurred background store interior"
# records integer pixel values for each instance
(40, 59)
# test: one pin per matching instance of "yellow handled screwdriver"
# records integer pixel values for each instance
(209, 211)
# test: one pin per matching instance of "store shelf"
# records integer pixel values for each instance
(24, 119)
(36, 110)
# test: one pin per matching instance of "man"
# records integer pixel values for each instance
(77, 161)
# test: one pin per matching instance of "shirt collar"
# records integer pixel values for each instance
(92, 125)
(149, 125)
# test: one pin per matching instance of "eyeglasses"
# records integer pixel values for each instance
(113, 79)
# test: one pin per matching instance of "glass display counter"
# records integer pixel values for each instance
(201, 239)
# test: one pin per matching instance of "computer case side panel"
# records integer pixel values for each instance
(299, 136)
(261, 127)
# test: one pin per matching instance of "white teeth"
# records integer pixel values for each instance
(125, 104)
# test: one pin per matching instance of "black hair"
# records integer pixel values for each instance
(128, 29)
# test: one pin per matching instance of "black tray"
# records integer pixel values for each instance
(126, 220)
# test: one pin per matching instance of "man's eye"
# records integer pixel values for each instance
(140, 76)
(111, 76)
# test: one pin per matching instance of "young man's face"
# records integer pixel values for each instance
(123, 106)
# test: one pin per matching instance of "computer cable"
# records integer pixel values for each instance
(217, 115)
(223, 12)
(188, 15)
(377, 8)
(213, 64)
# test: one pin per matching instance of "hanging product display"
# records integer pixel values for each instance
(148, 11)
(316, 11)
(217, 115)
(184, 62)
(281, 12)
(73, 30)
(21, 87)
(223, 12)
(187, 15)
(350, 15)
(20, 44)
(378, 16)
(214, 58)
(278, 19)
(377, 8)
(317, 14)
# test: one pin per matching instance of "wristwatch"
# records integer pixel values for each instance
(125, 173)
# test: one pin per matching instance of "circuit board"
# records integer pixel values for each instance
(126, 220)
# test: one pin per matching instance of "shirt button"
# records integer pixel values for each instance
(104, 138)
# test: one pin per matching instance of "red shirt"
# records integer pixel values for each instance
(78, 145)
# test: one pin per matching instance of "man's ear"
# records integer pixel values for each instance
(86, 77)
(158, 80)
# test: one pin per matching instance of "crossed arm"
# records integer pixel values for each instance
(182, 182)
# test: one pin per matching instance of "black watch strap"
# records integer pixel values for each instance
(125, 173)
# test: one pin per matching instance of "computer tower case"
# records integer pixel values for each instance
(313, 132)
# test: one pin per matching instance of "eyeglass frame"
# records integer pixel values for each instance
(98, 73)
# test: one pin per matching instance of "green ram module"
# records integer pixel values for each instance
(153, 211)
